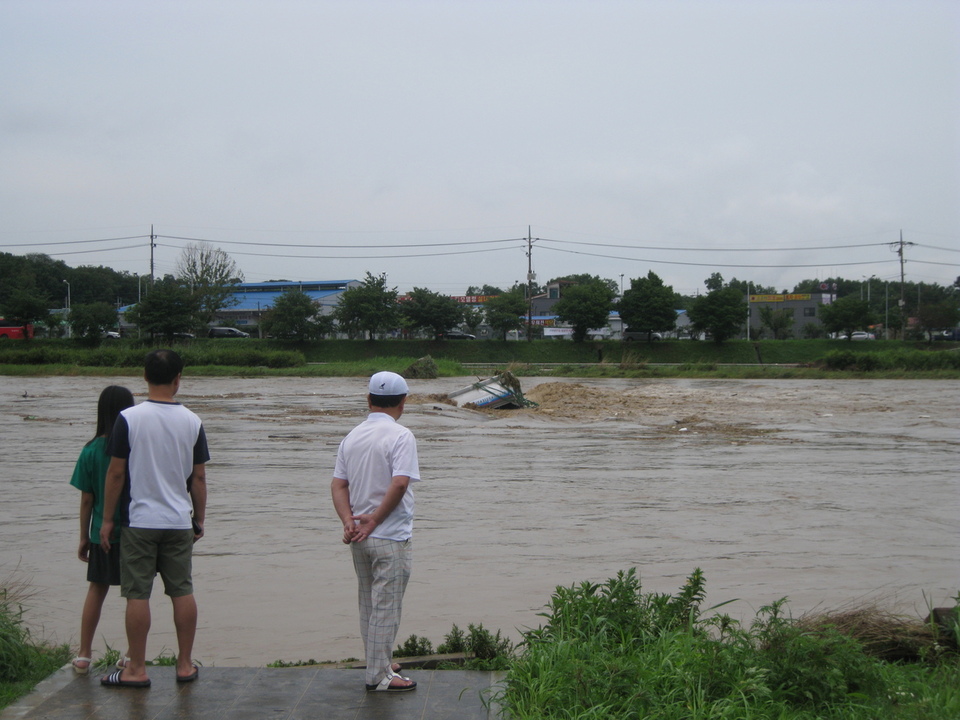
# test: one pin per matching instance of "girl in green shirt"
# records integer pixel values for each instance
(103, 569)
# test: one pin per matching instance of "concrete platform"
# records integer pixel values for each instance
(260, 694)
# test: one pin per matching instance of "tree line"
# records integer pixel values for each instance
(205, 279)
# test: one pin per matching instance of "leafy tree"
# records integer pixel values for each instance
(938, 316)
(15, 273)
(46, 275)
(585, 307)
(55, 324)
(484, 290)
(23, 307)
(427, 310)
(89, 320)
(585, 279)
(368, 308)
(211, 275)
(747, 287)
(721, 312)
(714, 282)
(168, 308)
(472, 318)
(648, 306)
(526, 289)
(294, 316)
(846, 315)
(506, 312)
(778, 322)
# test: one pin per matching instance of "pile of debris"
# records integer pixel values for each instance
(500, 391)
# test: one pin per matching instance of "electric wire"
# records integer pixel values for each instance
(78, 242)
(361, 257)
(95, 250)
(713, 264)
(351, 247)
(686, 249)
(543, 243)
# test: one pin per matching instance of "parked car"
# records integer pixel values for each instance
(457, 335)
(857, 335)
(630, 335)
(227, 332)
(111, 335)
(183, 336)
(952, 335)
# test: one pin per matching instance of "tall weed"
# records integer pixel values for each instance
(609, 650)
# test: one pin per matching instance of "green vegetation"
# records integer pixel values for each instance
(24, 660)
(649, 305)
(353, 358)
(609, 651)
(483, 650)
(121, 354)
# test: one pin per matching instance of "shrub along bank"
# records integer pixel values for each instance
(609, 651)
(352, 357)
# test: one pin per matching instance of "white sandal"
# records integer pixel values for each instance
(122, 663)
(385, 686)
(81, 670)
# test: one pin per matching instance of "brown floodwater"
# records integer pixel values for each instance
(830, 493)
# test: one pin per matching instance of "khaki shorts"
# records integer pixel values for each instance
(144, 553)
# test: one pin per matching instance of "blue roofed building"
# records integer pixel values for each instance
(251, 300)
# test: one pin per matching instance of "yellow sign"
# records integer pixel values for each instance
(779, 298)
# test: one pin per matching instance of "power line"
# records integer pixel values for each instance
(350, 247)
(730, 265)
(358, 257)
(96, 250)
(686, 249)
(934, 247)
(930, 262)
(79, 242)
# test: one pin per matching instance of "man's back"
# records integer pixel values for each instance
(160, 442)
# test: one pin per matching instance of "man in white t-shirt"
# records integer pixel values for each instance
(157, 477)
(376, 463)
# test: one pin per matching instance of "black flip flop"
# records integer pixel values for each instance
(114, 680)
(191, 677)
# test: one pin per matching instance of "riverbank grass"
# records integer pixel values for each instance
(609, 651)
(24, 660)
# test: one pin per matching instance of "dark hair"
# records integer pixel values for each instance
(113, 399)
(161, 367)
(385, 401)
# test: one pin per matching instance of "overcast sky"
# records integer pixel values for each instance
(323, 140)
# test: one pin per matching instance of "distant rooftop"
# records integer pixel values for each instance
(260, 296)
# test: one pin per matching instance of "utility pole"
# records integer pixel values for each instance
(152, 246)
(903, 302)
(530, 278)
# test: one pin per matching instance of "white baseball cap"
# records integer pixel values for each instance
(388, 383)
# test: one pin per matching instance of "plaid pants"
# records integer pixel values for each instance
(383, 569)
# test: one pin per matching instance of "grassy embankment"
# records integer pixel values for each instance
(609, 650)
(340, 358)
(24, 660)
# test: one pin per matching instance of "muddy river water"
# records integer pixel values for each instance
(830, 493)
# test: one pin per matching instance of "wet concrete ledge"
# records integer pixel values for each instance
(231, 693)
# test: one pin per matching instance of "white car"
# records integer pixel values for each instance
(860, 335)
